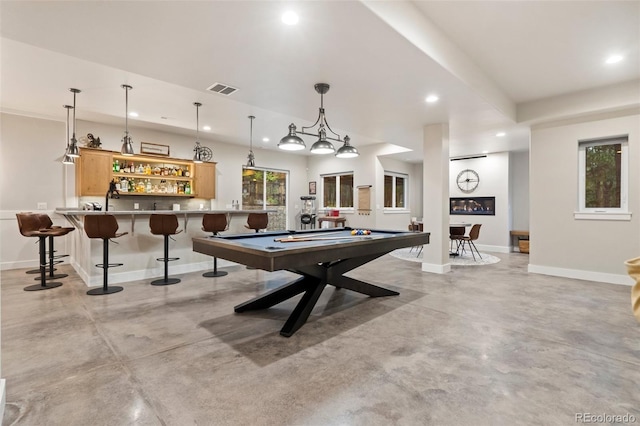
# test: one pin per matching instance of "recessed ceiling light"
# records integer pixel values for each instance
(265, 139)
(485, 152)
(431, 99)
(500, 134)
(206, 127)
(133, 114)
(614, 59)
(290, 17)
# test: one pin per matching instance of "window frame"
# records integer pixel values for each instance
(338, 206)
(265, 170)
(405, 197)
(604, 213)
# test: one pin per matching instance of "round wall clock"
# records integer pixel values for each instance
(468, 181)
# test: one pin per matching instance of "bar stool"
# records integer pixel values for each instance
(165, 224)
(29, 226)
(257, 221)
(47, 224)
(214, 223)
(103, 226)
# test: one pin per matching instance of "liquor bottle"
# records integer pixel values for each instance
(140, 169)
(132, 168)
(116, 168)
(148, 187)
(187, 189)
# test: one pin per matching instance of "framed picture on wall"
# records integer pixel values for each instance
(154, 149)
(473, 206)
(312, 188)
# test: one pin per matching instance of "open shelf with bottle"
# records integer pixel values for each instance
(143, 175)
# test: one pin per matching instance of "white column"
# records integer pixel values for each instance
(436, 198)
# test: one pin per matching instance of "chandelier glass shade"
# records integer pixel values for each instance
(293, 142)
(347, 151)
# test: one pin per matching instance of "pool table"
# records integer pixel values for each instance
(321, 256)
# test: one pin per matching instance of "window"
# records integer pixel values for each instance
(266, 189)
(337, 190)
(603, 176)
(395, 190)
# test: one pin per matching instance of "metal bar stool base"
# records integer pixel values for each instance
(214, 274)
(37, 271)
(52, 277)
(47, 286)
(168, 281)
(100, 291)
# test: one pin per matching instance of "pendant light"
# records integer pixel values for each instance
(293, 142)
(73, 150)
(347, 151)
(251, 159)
(197, 157)
(127, 142)
(67, 159)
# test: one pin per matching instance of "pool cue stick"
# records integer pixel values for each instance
(295, 240)
(295, 237)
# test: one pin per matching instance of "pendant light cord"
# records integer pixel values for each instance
(126, 110)
(74, 115)
(251, 134)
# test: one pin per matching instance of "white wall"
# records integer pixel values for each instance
(493, 171)
(560, 244)
(519, 190)
(32, 173)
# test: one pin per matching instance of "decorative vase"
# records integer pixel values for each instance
(633, 268)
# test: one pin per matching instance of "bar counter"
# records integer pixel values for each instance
(139, 249)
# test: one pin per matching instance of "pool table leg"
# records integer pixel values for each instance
(362, 287)
(274, 296)
(304, 307)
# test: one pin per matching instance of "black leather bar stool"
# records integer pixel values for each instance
(105, 227)
(214, 223)
(166, 225)
(47, 224)
(257, 221)
(29, 226)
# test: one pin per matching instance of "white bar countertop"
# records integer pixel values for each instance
(78, 212)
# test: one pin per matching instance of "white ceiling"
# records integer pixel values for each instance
(171, 51)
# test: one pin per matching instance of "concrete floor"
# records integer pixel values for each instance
(481, 345)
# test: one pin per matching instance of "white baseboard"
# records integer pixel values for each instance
(30, 264)
(581, 275)
(495, 249)
(435, 268)
(143, 274)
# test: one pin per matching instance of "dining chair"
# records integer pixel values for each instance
(469, 240)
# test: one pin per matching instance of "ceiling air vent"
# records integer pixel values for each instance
(223, 89)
